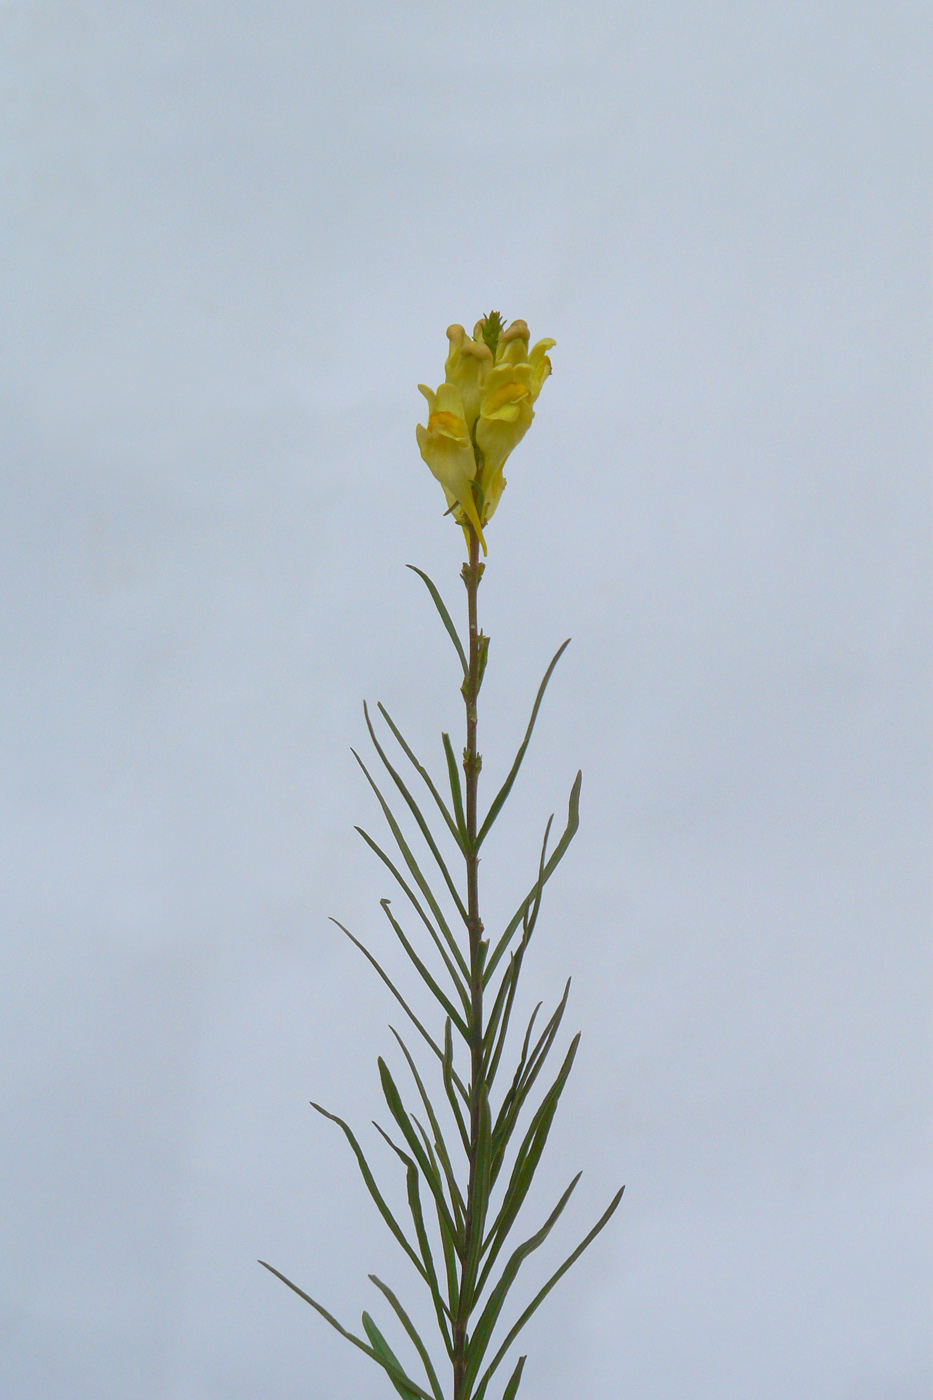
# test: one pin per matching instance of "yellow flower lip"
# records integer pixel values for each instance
(449, 425)
(503, 403)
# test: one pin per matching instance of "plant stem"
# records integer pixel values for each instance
(472, 763)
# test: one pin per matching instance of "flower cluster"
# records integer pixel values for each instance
(481, 411)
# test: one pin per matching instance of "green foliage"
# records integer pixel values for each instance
(477, 1171)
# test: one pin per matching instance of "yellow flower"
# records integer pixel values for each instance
(507, 405)
(467, 365)
(446, 447)
(481, 412)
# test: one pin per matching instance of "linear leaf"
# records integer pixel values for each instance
(396, 1374)
(424, 774)
(570, 830)
(480, 1202)
(445, 617)
(419, 1345)
(449, 1078)
(506, 787)
(405, 849)
(439, 1143)
(527, 1072)
(373, 1189)
(456, 792)
(390, 1362)
(418, 816)
(392, 988)
(526, 1162)
(413, 900)
(490, 1315)
(511, 1390)
(426, 974)
(505, 996)
(424, 1244)
(429, 1172)
(555, 1277)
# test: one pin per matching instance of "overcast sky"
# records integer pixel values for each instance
(233, 236)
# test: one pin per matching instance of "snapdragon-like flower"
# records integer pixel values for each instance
(480, 413)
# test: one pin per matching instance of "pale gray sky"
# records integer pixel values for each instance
(233, 236)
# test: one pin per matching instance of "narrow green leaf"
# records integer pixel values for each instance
(448, 1245)
(555, 1277)
(505, 994)
(505, 997)
(450, 1265)
(542, 1048)
(468, 1289)
(426, 974)
(445, 617)
(430, 1173)
(392, 988)
(526, 1162)
(373, 1189)
(439, 1143)
(525, 1076)
(390, 1362)
(419, 818)
(506, 787)
(490, 1315)
(419, 1345)
(456, 792)
(425, 775)
(530, 918)
(424, 1244)
(394, 1371)
(570, 830)
(410, 861)
(511, 1390)
(416, 906)
(449, 1078)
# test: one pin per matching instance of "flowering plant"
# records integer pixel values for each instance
(465, 1158)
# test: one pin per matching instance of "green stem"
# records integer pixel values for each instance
(472, 763)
